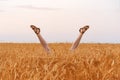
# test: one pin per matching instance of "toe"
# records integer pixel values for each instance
(86, 27)
(32, 26)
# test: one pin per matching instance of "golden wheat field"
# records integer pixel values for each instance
(29, 61)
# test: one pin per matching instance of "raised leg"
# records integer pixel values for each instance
(41, 39)
(77, 41)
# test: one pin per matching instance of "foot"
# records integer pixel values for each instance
(35, 29)
(83, 29)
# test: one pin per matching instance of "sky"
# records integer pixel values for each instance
(60, 20)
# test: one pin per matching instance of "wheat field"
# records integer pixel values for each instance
(29, 61)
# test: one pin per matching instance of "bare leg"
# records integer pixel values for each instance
(77, 41)
(41, 39)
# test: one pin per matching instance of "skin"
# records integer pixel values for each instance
(43, 42)
(77, 41)
(45, 45)
(41, 39)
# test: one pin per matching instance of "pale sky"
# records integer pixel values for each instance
(60, 20)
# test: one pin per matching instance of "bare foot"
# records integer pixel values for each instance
(35, 29)
(83, 29)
